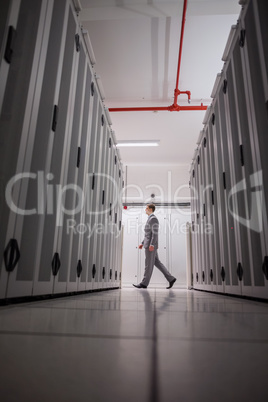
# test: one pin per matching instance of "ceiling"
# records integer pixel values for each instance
(136, 44)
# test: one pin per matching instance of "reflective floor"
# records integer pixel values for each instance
(135, 345)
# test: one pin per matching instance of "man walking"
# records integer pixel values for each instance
(150, 244)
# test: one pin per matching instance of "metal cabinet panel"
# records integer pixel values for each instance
(18, 127)
(53, 221)
(216, 248)
(254, 63)
(236, 165)
(211, 201)
(96, 199)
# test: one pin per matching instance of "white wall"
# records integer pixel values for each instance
(168, 183)
(172, 245)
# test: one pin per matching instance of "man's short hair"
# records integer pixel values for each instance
(151, 206)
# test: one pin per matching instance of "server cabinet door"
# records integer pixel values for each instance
(18, 128)
(107, 189)
(194, 233)
(206, 196)
(198, 273)
(216, 183)
(254, 59)
(217, 129)
(210, 224)
(73, 196)
(113, 214)
(238, 199)
(115, 221)
(84, 238)
(251, 175)
(9, 11)
(96, 199)
(50, 258)
(88, 242)
(109, 211)
(101, 250)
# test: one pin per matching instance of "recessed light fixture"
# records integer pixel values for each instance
(137, 143)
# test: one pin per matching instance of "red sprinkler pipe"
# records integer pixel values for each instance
(172, 108)
(175, 107)
(177, 91)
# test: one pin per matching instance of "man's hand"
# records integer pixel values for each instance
(151, 248)
(140, 246)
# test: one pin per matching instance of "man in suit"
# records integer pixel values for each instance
(150, 244)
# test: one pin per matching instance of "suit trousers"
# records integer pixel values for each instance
(151, 260)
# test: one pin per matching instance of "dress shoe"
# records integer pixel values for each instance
(140, 286)
(171, 283)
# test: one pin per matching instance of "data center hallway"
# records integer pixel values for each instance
(134, 345)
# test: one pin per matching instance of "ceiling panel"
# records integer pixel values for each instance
(136, 44)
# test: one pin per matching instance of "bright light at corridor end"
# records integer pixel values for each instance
(137, 143)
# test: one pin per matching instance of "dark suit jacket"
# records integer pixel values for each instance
(151, 232)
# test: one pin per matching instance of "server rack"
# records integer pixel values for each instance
(235, 131)
(55, 156)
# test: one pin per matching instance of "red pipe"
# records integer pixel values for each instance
(172, 108)
(177, 91)
(175, 107)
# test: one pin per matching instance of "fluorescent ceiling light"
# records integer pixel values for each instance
(137, 143)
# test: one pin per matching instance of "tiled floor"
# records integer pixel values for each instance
(135, 345)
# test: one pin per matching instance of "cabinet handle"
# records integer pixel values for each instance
(213, 119)
(10, 43)
(93, 181)
(212, 197)
(203, 276)
(93, 271)
(224, 89)
(115, 275)
(223, 274)
(77, 43)
(55, 264)
(265, 267)
(79, 268)
(224, 180)
(115, 217)
(241, 155)
(92, 88)
(242, 38)
(55, 117)
(211, 275)
(111, 272)
(239, 271)
(11, 255)
(103, 196)
(78, 157)
(103, 272)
